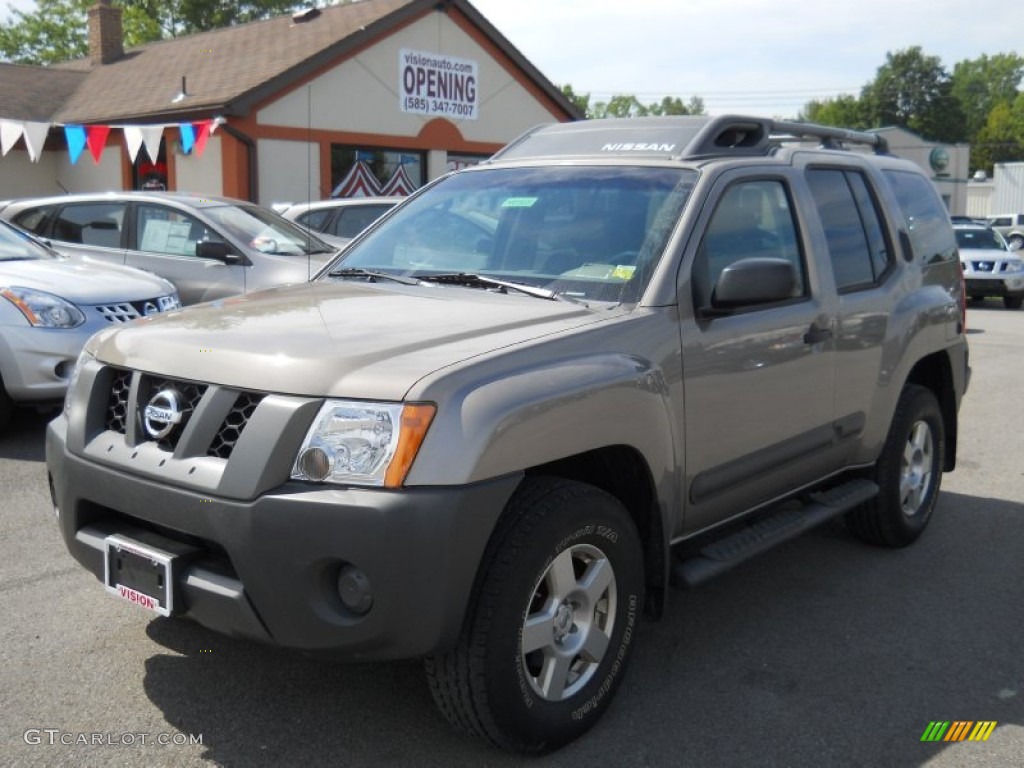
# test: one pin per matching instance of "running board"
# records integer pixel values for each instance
(720, 555)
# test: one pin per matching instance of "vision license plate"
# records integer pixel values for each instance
(139, 574)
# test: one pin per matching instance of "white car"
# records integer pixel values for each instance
(343, 217)
(991, 268)
(49, 307)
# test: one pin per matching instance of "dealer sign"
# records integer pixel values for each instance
(436, 85)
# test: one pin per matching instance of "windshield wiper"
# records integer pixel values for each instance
(371, 275)
(472, 280)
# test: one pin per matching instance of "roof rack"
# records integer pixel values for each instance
(677, 138)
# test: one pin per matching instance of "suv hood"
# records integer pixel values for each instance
(84, 284)
(370, 341)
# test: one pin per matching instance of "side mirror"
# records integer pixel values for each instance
(758, 280)
(216, 250)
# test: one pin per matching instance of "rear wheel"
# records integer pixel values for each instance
(549, 633)
(1013, 302)
(6, 406)
(908, 473)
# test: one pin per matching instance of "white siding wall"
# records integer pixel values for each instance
(289, 171)
(20, 177)
(201, 174)
(362, 94)
(86, 176)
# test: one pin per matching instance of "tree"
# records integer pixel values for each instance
(57, 30)
(844, 111)
(980, 84)
(1001, 139)
(913, 91)
(628, 105)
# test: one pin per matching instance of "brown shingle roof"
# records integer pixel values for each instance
(35, 93)
(226, 69)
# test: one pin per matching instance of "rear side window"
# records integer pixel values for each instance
(927, 220)
(98, 224)
(857, 245)
(34, 219)
(315, 219)
(354, 219)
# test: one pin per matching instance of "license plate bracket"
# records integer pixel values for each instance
(139, 573)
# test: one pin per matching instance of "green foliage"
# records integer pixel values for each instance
(980, 84)
(56, 30)
(844, 111)
(1001, 139)
(628, 105)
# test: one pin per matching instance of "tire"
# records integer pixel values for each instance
(908, 473)
(6, 406)
(555, 538)
(1013, 302)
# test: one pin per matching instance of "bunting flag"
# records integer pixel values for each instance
(35, 137)
(10, 132)
(194, 136)
(399, 183)
(188, 137)
(75, 136)
(202, 134)
(358, 182)
(96, 138)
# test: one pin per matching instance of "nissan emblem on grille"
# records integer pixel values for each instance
(149, 309)
(162, 413)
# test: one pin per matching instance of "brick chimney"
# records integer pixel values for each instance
(106, 41)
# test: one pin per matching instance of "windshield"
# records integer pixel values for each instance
(588, 233)
(980, 239)
(265, 230)
(15, 245)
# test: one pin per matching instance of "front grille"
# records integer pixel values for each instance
(231, 428)
(984, 266)
(189, 394)
(117, 405)
(124, 311)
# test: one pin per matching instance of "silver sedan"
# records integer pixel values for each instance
(50, 306)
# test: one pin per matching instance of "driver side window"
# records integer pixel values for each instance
(752, 219)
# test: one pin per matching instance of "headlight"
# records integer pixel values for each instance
(44, 309)
(83, 358)
(1014, 266)
(363, 443)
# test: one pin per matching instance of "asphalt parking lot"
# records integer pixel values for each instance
(823, 652)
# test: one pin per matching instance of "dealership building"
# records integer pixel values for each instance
(373, 97)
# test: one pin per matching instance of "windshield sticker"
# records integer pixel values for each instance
(519, 202)
(624, 271)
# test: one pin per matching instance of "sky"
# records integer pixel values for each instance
(750, 56)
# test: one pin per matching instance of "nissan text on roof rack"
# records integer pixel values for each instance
(619, 356)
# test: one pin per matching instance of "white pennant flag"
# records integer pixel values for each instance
(151, 135)
(10, 132)
(35, 138)
(133, 140)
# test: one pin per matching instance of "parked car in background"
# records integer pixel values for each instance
(50, 306)
(342, 217)
(209, 247)
(1010, 226)
(990, 267)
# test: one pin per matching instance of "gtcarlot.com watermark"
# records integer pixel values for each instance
(55, 736)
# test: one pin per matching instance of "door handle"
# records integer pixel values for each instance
(817, 334)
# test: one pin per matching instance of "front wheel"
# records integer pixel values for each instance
(1013, 302)
(554, 618)
(908, 473)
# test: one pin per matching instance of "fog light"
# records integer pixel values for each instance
(354, 590)
(314, 463)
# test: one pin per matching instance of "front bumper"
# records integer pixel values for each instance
(995, 286)
(36, 362)
(267, 569)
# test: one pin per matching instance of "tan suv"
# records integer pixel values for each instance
(668, 345)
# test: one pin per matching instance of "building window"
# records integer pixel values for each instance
(361, 172)
(457, 162)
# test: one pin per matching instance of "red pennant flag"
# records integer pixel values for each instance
(202, 134)
(96, 138)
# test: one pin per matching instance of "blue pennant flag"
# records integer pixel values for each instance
(188, 137)
(75, 135)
